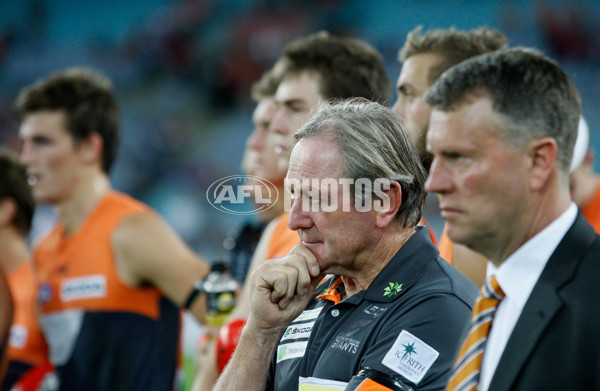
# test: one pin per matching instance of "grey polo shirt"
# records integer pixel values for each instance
(407, 324)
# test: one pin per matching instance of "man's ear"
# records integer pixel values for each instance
(92, 147)
(8, 211)
(387, 203)
(543, 152)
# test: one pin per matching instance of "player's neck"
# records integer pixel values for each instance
(74, 211)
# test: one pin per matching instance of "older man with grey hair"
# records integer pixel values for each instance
(502, 132)
(390, 311)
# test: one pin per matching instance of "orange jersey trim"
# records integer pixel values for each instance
(332, 294)
(370, 385)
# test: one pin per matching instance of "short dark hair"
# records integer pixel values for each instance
(86, 98)
(346, 67)
(453, 46)
(373, 144)
(267, 85)
(533, 95)
(13, 184)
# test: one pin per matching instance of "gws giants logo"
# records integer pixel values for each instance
(230, 193)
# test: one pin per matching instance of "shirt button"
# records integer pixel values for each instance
(335, 312)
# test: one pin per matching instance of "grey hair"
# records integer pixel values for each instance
(374, 144)
(531, 94)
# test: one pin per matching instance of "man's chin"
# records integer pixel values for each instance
(456, 234)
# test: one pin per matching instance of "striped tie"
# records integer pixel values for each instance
(465, 373)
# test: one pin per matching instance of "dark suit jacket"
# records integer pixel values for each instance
(555, 344)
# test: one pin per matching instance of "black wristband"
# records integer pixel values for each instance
(198, 288)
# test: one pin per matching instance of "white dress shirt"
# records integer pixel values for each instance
(517, 276)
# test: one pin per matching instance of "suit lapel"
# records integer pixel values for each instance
(543, 303)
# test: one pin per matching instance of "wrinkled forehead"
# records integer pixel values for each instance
(315, 157)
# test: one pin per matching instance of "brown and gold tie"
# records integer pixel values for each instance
(466, 369)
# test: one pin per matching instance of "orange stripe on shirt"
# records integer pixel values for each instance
(371, 385)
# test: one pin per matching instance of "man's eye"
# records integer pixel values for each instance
(296, 110)
(41, 141)
(454, 156)
(404, 92)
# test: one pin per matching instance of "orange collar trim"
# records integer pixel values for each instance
(332, 293)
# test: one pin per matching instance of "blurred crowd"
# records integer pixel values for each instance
(182, 71)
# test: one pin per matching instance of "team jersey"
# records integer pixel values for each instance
(102, 333)
(283, 239)
(26, 345)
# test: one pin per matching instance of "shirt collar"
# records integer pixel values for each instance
(521, 270)
(404, 269)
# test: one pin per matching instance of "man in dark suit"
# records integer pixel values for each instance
(502, 132)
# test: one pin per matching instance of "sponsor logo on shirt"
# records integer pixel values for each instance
(374, 310)
(410, 357)
(291, 350)
(346, 344)
(392, 289)
(297, 331)
(309, 315)
(87, 287)
(44, 294)
(18, 336)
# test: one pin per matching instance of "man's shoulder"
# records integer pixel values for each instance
(121, 201)
(588, 270)
(573, 268)
(441, 278)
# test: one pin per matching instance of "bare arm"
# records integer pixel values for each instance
(281, 289)
(147, 250)
(206, 376)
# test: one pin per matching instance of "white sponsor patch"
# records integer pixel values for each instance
(18, 336)
(88, 287)
(308, 315)
(291, 350)
(410, 357)
(297, 331)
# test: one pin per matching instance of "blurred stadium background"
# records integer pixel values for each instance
(182, 71)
